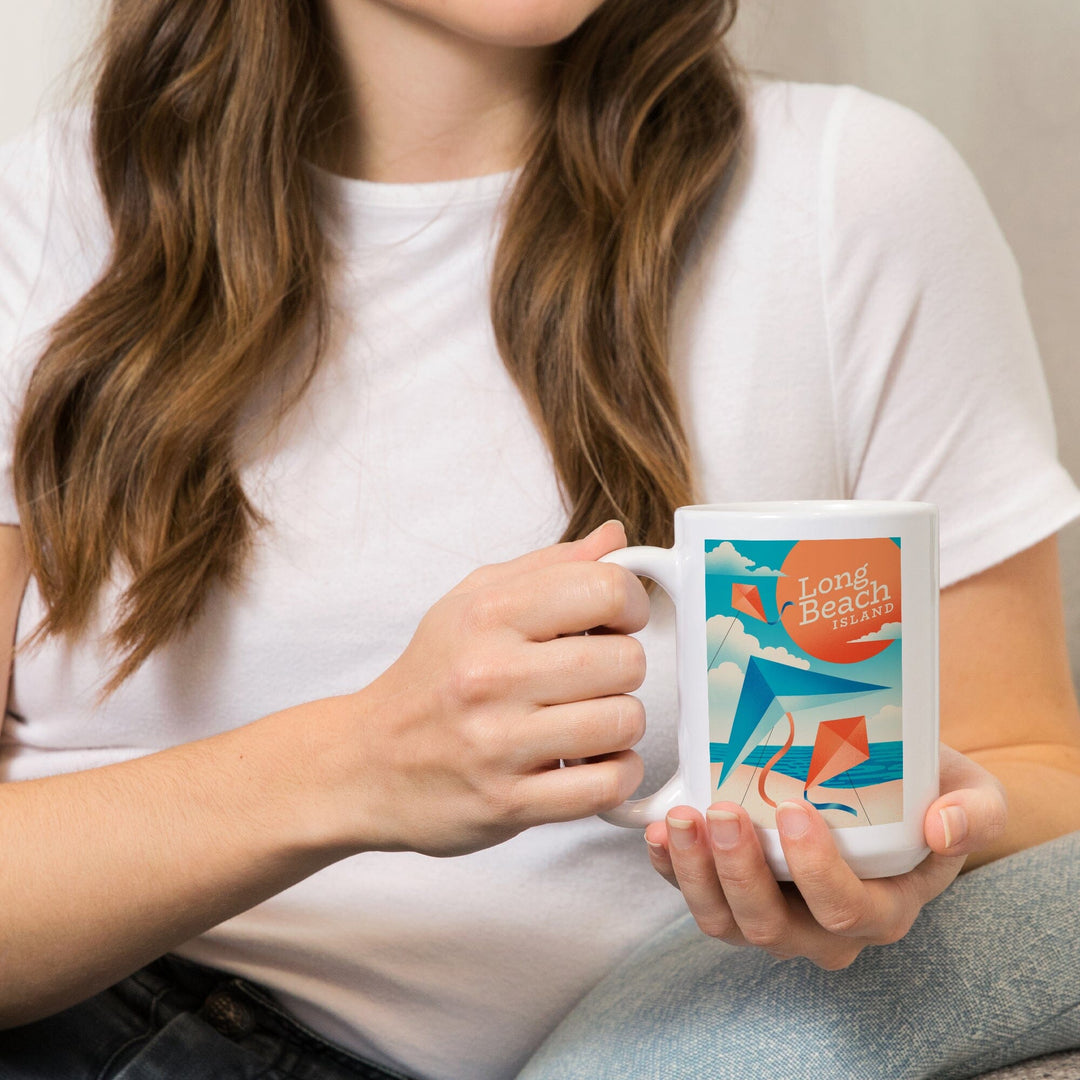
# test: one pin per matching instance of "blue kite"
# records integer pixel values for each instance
(770, 690)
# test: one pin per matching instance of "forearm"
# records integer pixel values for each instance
(104, 870)
(1042, 784)
(449, 751)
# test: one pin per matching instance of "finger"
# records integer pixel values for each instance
(695, 872)
(965, 821)
(550, 673)
(754, 898)
(838, 900)
(585, 729)
(971, 813)
(579, 791)
(577, 668)
(931, 877)
(554, 601)
(602, 540)
(570, 598)
(656, 844)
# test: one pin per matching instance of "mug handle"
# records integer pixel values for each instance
(662, 566)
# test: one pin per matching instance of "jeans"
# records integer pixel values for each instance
(989, 975)
(176, 1020)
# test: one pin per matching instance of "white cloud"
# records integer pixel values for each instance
(724, 559)
(890, 631)
(728, 641)
(886, 724)
(725, 682)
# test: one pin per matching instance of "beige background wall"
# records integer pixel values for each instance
(997, 76)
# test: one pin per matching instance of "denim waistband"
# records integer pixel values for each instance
(249, 1016)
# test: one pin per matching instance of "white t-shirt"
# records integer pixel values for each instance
(851, 326)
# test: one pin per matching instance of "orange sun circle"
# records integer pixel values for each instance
(840, 593)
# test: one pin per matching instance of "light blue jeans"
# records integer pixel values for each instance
(989, 975)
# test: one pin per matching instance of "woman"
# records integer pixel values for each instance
(273, 429)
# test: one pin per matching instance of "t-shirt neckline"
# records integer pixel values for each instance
(432, 194)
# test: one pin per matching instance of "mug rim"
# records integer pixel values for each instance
(810, 507)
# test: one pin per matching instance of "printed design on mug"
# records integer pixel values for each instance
(804, 669)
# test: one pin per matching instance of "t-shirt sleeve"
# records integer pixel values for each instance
(939, 390)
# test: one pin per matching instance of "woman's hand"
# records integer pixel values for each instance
(826, 914)
(458, 744)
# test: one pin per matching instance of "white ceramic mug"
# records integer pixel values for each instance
(807, 650)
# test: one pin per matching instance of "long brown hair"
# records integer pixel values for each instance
(204, 114)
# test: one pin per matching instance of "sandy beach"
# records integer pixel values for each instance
(878, 804)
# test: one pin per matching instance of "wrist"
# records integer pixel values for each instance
(316, 781)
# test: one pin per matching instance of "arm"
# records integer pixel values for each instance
(455, 747)
(1007, 698)
(104, 870)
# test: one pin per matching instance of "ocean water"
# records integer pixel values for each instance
(886, 763)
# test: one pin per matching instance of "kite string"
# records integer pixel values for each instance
(734, 620)
(859, 797)
(731, 625)
(742, 801)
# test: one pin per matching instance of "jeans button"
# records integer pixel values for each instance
(227, 1015)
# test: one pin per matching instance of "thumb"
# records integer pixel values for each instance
(604, 538)
(972, 815)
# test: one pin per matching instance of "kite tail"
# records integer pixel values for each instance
(774, 759)
(779, 614)
(829, 805)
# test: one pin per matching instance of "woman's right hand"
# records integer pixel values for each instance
(457, 746)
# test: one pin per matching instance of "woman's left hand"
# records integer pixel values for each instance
(826, 913)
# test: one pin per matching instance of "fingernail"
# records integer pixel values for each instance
(955, 823)
(610, 521)
(656, 849)
(723, 828)
(682, 833)
(792, 820)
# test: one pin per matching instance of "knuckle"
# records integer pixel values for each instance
(485, 609)
(617, 780)
(475, 679)
(631, 662)
(715, 925)
(836, 959)
(843, 921)
(607, 789)
(609, 591)
(486, 741)
(782, 954)
(630, 720)
(815, 874)
(740, 881)
(638, 606)
(771, 936)
(479, 578)
(503, 803)
(894, 931)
